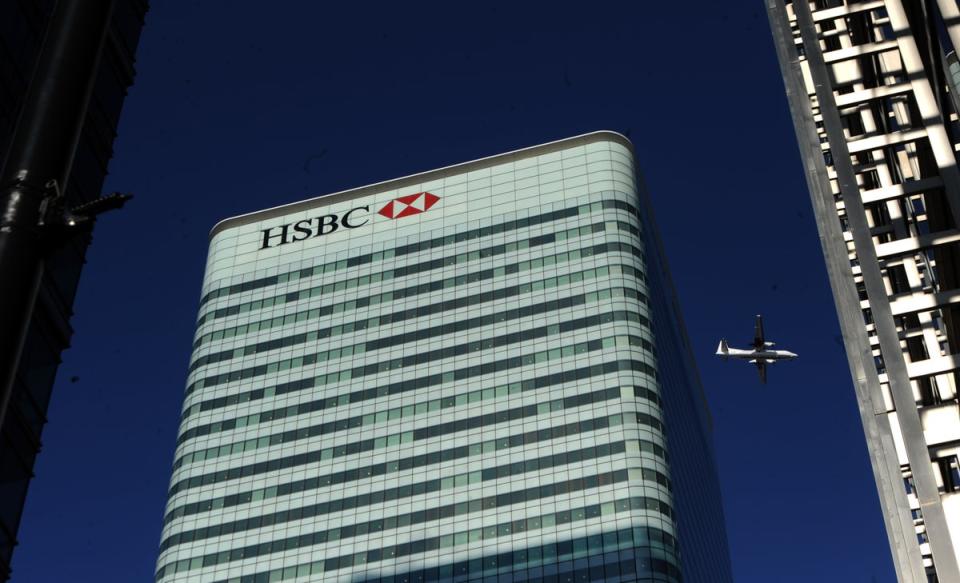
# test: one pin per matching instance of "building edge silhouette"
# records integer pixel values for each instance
(22, 29)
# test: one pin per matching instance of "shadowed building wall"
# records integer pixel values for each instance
(22, 27)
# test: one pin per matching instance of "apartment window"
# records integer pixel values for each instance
(929, 393)
(871, 179)
(858, 25)
(917, 349)
(950, 473)
(878, 213)
(854, 124)
(907, 321)
(824, 4)
(908, 485)
(897, 276)
(831, 43)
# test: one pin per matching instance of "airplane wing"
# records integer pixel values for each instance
(758, 340)
(762, 369)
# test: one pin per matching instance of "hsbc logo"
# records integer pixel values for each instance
(412, 204)
(405, 206)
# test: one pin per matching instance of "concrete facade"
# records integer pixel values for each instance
(872, 97)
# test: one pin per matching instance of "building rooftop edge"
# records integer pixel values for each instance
(423, 177)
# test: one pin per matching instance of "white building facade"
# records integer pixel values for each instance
(447, 377)
(873, 92)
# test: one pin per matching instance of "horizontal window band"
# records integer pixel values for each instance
(412, 384)
(398, 493)
(419, 312)
(390, 494)
(413, 269)
(458, 509)
(418, 461)
(659, 562)
(415, 489)
(419, 434)
(421, 358)
(645, 562)
(384, 415)
(418, 246)
(428, 287)
(614, 569)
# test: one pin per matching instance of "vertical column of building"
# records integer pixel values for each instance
(874, 117)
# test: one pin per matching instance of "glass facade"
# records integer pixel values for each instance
(446, 377)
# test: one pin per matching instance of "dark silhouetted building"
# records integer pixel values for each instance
(22, 27)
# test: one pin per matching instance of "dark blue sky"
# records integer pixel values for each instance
(239, 107)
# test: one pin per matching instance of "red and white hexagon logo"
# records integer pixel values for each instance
(412, 204)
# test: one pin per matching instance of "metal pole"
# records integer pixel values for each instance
(38, 163)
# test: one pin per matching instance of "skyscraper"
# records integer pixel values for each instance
(22, 28)
(873, 92)
(476, 371)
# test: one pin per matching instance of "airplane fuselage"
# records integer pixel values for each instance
(760, 353)
(766, 355)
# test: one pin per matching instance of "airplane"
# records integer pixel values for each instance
(761, 354)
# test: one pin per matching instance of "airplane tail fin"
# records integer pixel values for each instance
(723, 350)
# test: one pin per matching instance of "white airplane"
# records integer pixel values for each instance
(761, 354)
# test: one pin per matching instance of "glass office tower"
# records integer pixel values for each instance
(474, 373)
